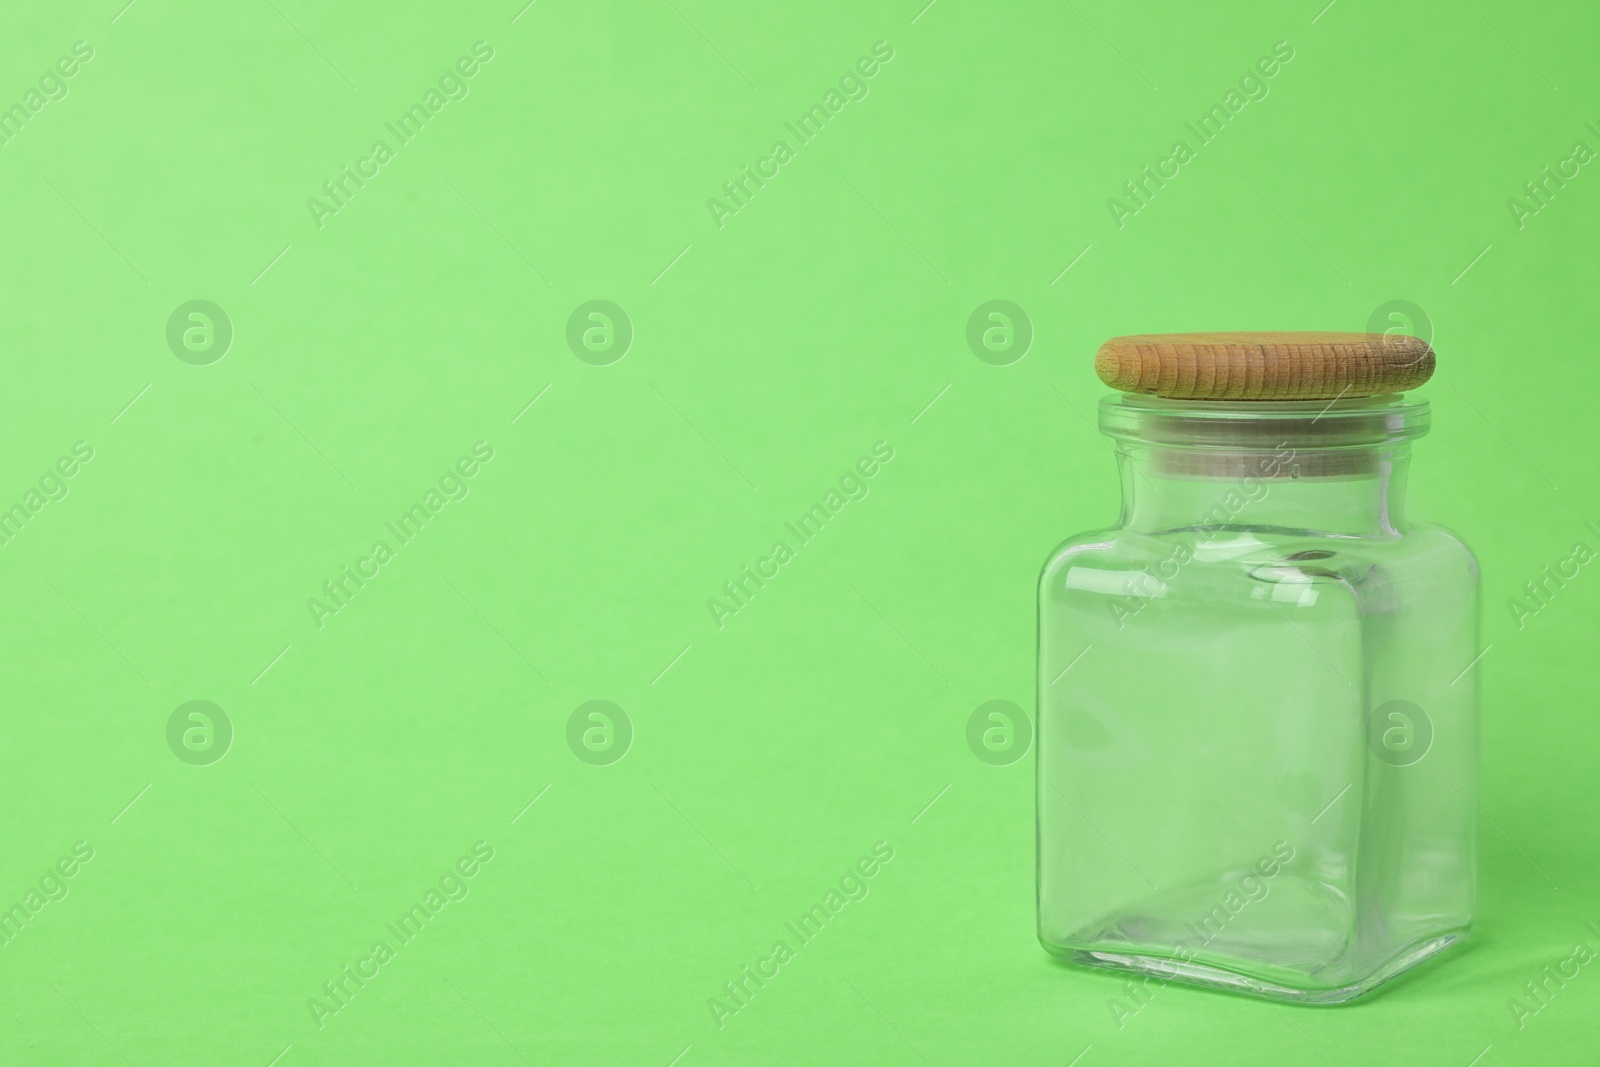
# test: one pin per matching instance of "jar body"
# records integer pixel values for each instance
(1257, 752)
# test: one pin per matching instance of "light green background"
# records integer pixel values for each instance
(768, 356)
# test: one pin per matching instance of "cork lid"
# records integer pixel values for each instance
(1264, 366)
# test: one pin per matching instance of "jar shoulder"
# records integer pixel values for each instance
(1444, 543)
(1420, 546)
(1103, 544)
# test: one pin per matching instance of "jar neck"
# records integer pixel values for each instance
(1336, 468)
(1363, 495)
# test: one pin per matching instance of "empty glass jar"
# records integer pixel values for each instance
(1258, 725)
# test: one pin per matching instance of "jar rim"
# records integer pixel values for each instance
(1349, 422)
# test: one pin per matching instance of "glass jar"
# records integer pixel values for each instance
(1258, 705)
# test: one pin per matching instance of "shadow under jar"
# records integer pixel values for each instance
(1258, 691)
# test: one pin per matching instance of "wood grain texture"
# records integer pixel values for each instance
(1264, 366)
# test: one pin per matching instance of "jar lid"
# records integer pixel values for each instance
(1264, 366)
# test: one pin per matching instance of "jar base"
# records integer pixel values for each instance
(1166, 968)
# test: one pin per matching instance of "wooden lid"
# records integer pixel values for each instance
(1264, 366)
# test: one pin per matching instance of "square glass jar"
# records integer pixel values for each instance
(1258, 705)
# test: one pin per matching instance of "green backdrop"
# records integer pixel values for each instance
(398, 501)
